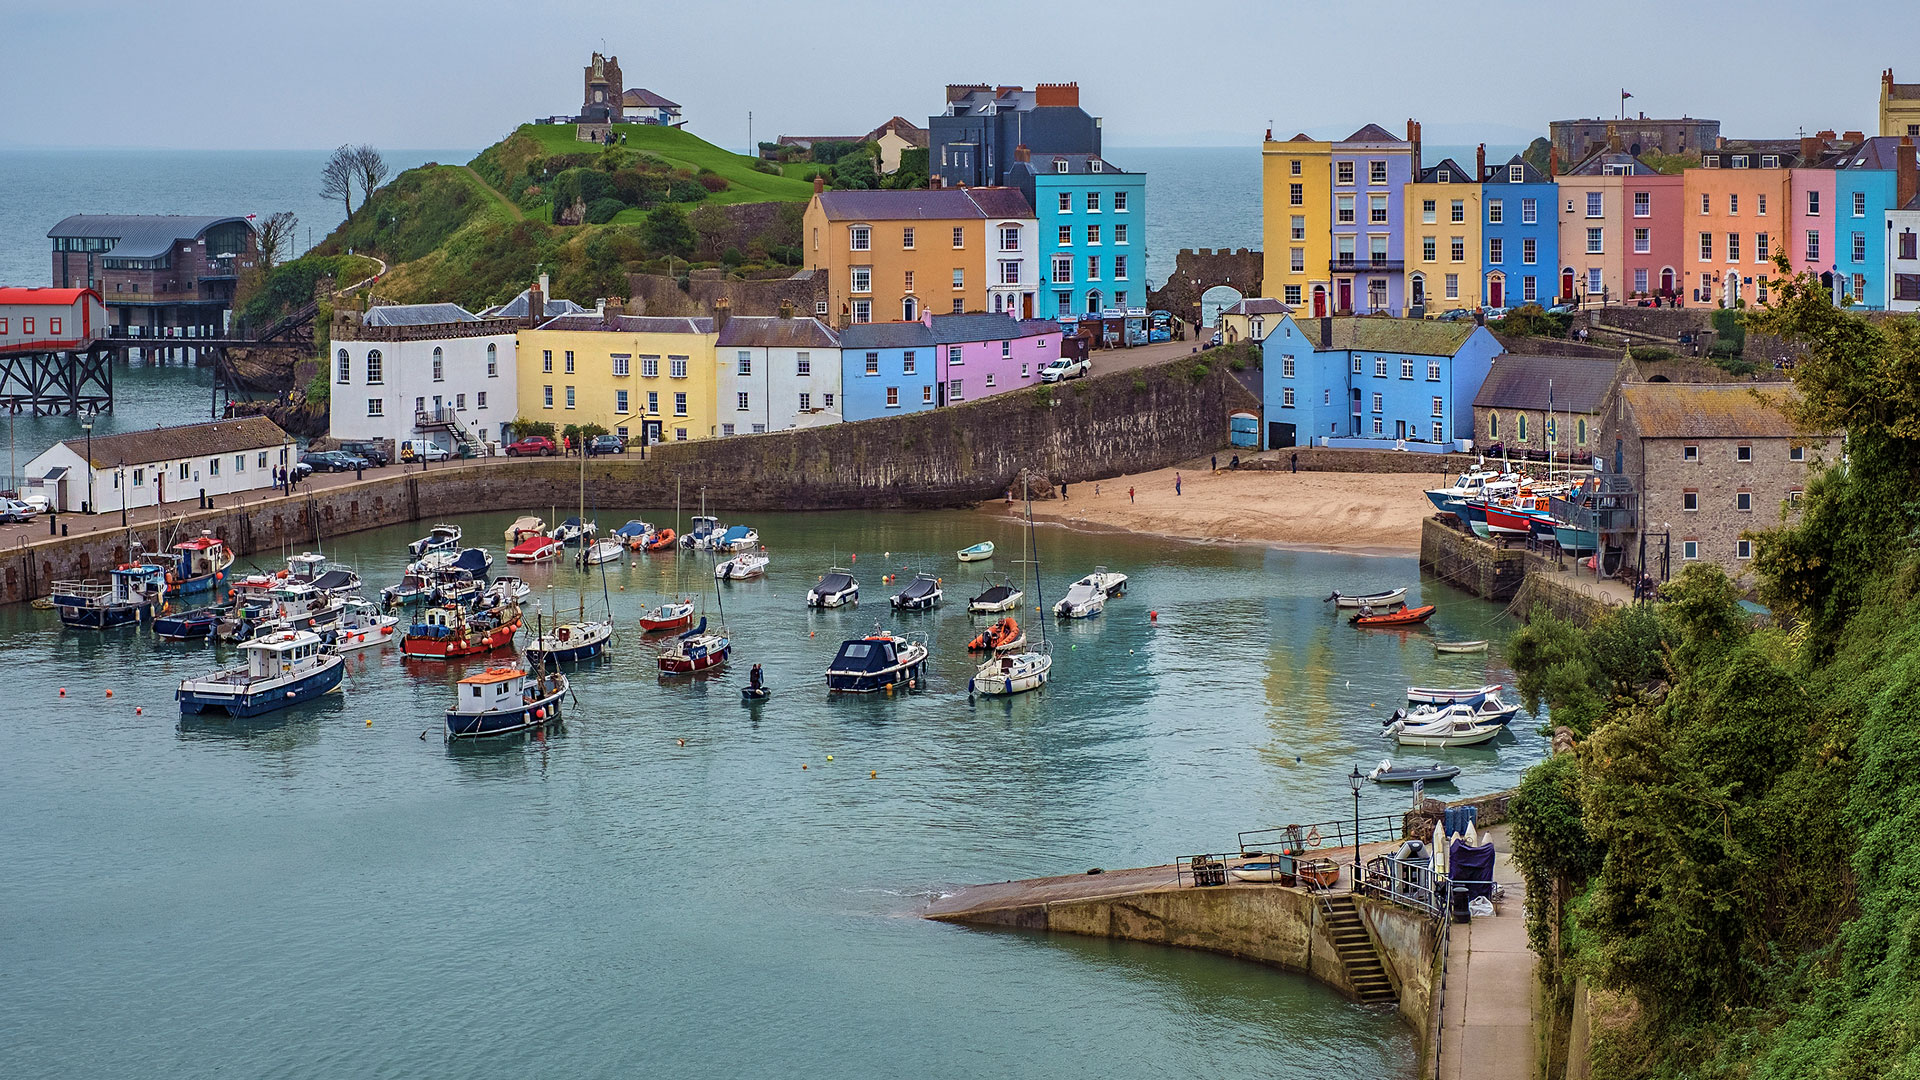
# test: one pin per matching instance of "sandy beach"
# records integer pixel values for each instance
(1361, 513)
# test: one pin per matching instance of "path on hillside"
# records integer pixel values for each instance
(375, 276)
(512, 207)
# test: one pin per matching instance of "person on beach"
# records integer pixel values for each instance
(1129, 495)
(1214, 463)
(1296, 462)
(1176, 483)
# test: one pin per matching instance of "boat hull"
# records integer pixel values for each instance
(585, 648)
(1433, 695)
(674, 622)
(1460, 646)
(981, 606)
(1004, 683)
(1384, 599)
(187, 626)
(538, 714)
(1509, 522)
(1403, 617)
(106, 616)
(241, 701)
(874, 681)
(1572, 539)
(837, 599)
(449, 648)
(1474, 737)
(917, 603)
(353, 639)
(676, 664)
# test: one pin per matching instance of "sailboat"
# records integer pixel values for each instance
(581, 639)
(1009, 673)
(699, 649)
(670, 614)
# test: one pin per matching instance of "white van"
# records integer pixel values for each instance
(423, 450)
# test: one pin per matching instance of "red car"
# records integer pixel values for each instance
(533, 446)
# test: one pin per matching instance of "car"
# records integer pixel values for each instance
(423, 450)
(1560, 309)
(607, 444)
(1065, 368)
(375, 456)
(532, 446)
(13, 511)
(1454, 315)
(301, 470)
(40, 504)
(1214, 341)
(1493, 313)
(332, 461)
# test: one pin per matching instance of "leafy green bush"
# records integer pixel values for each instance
(1653, 353)
(601, 211)
(1198, 372)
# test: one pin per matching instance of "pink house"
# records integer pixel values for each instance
(980, 355)
(1811, 244)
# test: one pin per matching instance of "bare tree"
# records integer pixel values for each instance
(276, 237)
(337, 176)
(372, 169)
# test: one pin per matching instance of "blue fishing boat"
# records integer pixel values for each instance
(200, 564)
(282, 670)
(503, 700)
(879, 661)
(188, 625)
(1574, 540)
(570, 642)
(132, 595)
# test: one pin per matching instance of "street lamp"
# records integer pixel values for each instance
(1354, 782)
(121, 484)
(86, 425)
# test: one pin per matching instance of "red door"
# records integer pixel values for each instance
(1566, 286)
(1666, 280)
(1319, 302)
(1344, 298)
(1496, 292)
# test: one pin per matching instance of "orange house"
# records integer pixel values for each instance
(895, 255)
(1736, 213)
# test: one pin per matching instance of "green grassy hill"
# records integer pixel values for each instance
(681, 149)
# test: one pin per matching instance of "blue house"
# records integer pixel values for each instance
(887, 369)
(1865, 184)
(1093, 232)
(1521, 235)
(1373, 383)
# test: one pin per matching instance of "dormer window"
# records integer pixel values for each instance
(1059, 165)
(1769, 161)
(1739, 161)
(1516, 174)
(1711, 161)
(1093, 164)
(1443, 177)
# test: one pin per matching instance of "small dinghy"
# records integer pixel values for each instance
(1434, 695)
(188, 625)
(998, 596)
(601, 551)
(979, 551)
(662, 541)
(439, 538)
(1460, 646)
(921, 594)
(503, 700)
(741, 567)
(835, 587)
(1004, 635)
(755, 693)
(1267, 871)
(525, 527)
(1081, 602)
(1390, 620)
(534, 549)
(1388, 773)
(1388, 598)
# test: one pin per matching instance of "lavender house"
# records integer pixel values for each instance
(979, 355)
(1371, 169)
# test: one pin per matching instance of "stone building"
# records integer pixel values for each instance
(157, 273)
(1710, 462)
(601, 100)
(1899, 106)
(1529, 405)
(1575, 139)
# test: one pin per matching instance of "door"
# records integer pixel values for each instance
(650, 432)
(1399, 429)
(1419, 290)
(1319, 301)
(1496, 291)
(1026, 305)
(1666, 280)
(1280, 436)
(1343, 298)
(1356, 410)
(1566, 285)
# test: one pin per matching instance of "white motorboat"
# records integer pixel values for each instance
(1011, 673)
(701, 530)
(1385, 598)
(282, 669)
(535, 548)
(1082, 601)
(921, 594)
(1454, 725)
(570, 641)
(1109, 583)
(1490, 709)
(525, 526)
(363, 626)
(508, 589)
(736, 538)
(1434, 695)
(432, 561)
(741, 567)
(601, 551)
(439, 538)
(575, 531)
(998, 596)
(835, 587)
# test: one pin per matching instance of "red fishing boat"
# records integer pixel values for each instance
(670, 615)
(1403, 617)
(695, 651)
(446, 633)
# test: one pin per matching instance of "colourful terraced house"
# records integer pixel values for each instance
(1296, 192)
(1373, 382)
(1371, 171)
(1443, 231)
(1520, 234)
(639, 377)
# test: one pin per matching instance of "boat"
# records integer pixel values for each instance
(1387, 773)
(281, 670)
(835, 587)
(1573, 539)
(1004, 633)
(438, 538)
(361, 627)
(979, 551)
(700, 530)
(741, 567)
(414, 588)
(534, 549)
(1265, 871)
(879, 661)
(601, 551)
(523, 527)
(200, 564)
(1454, 725)
(446, 633)
(133, 594)
(1385, 598)
(667, 615)
(1470, 484)
(503, 700)
(432, 561)
(1510, 519)
(570, 641)
(1434, 695)
(736, 538)
(313, 569)
(188, 625)
(1488, 710)
(921, 594)
(1011, 673)
(1319, 873)
(634, 534)
(1082, 601)
(998, 596)
(662, 541)
(573, 531)
(1460, 646)
(475, 561)
(456, 587)
(1388, 620)
(297, 608)
(754, 694)
(1109, 583)
(695, 651)
(508, 589)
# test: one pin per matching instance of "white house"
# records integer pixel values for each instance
(169, 464)
(1013, 266)
(1903, 257)
(775, 373)
(423, 371)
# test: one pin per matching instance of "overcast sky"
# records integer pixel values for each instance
(440, 73)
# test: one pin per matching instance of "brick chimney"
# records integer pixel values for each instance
(786, 309)
(1021, 153)
(1413, 136)
(1613, 137)
(819, 184)
(615, 307)
(1480, 163)
(722, 311)
(1269, 134)
(1886, 83)
(1810, 148)
(1553, 162)
(1047, 95)
(1906, 174)
(537, 301)
(1853, 137)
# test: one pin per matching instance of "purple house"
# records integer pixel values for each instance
(1371, 169)
(980, 355)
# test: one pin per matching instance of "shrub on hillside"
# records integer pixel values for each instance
(687, 191)
(712, 181)
(582, 186)
(601, 211)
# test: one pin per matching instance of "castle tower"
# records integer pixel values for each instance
(600, 101)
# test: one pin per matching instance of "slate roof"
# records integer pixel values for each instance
(886, 335)
(939, 204)
(956, 329)
(1879, 152)
(637, 96)
(1455, 174)
(417, 315)
(1704, 411)
(1372, 133)
(773, 332)
(901, 126)
(1578, 384)
(1497, 174)
(1904, 91)
(141, 236)
(1596, 162)
(1258, 305)
(1420, 337)
(516, 308)
(629, 324)
(1044, 164)
(181, 441)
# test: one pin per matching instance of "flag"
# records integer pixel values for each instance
(1624, 95)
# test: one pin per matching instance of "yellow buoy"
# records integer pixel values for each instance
(369, 721)
(829, 757)
(803, 768)
(872, 774)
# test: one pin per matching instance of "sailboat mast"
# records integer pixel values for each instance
(1034, 545)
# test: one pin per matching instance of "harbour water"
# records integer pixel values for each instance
(673, 884)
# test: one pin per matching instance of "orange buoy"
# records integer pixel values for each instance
(63, 691)
(1153, 616)
(109, 693)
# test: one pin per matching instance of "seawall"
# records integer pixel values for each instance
(1088, 429)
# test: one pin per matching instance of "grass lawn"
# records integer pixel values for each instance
(681, 148)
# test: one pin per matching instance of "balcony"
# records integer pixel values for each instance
(1366, 266)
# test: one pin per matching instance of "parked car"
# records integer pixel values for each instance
(13, 511)
(1455, 315)
(1214, 341)
(1493, 313)
(333, 461)
(301, 470)
(375, 456)
(1560, 309)
(606, 444)
(1065, 368)
(532, 446)
(40, 504)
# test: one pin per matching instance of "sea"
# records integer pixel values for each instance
(673, 884)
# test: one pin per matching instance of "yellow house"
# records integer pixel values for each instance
(1443, 239)
(637, 376)
(1899, 106)
(1296, 186)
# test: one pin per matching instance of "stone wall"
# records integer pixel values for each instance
(1240, 269)
(657, 294)
(1332, 459)
(1468, 562)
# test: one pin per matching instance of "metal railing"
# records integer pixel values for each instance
(1328, 836)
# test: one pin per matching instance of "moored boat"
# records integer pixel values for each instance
(634, 534)
(1388, 620)
(662, 541)
(1011, 673)
(414, 588)
(569, 642)
(507, 589)
(695, 651)
(601, 551)
(133, 594)
(700, 531)
(880, 661)
(445, 633)
(998, 596)
(1436, 695)
(438, 538)
(668, 615)
(1109, 583)
(188, 625)
(523, 527)
(1380, 599)
(361, 627)
(835, 587)
(979, 551)
(200, 564)
(1460, 646)
(282, 669)
(1455, 725)
(1004, 634)
(575, 531)
(504, 700)
(736, 538)
(534, 549)
(741, 567)
(1081, 602)
(921, 594)
(1388, 773)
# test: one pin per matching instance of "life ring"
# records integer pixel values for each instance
(1313, 837)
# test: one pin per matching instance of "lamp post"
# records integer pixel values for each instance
(121, 484)
(86, 425)
(1354, 782)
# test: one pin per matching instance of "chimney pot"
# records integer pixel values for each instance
(1553, 162)
(537, 302)
(722, 311)
(1480, 163)
(819, 184)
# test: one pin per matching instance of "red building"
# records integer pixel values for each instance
(159, 274)
(49, 320)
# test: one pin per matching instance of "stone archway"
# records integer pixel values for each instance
(1195, 271)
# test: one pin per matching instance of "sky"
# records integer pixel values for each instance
(221, 74)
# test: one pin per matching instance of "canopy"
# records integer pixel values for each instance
(1471, 867)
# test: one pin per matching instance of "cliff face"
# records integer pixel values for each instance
(266, 369)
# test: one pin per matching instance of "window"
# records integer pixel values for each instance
(650, 367)
(480, 400)
(1093, 202)
(1529, 288)
(1379, 367)
(1706, 202)
(1859, 204)
(726, 429)
(1493, 425)
(1596, 241)
(1066, 201)
(1006, 350)
(1593, 279)
(1343, 172)
(1377, 429)
(1439, 405)
(893, 397)
(861, 279)
(1376, 209)
(1733, 203)
(1376, 172)
(184, 470)
(1119, 200)
(1433, 371)
(1298, 228)
(547, 397)
(1296, 263)
(26, 324)
(1428, 249)
(1595, 207)
(1065, 238)
(1495, 211)
(1356, 365)
(1640, 279)
(375, 407)
(873, 363)
(569, 361)
(1093, 268)
(953, 390)
(1406, 368)
(1062, 269)
(1343, 209)
(622, 364)
(826, 401)
(213, 467)
(1690, 549)
(959, 277)
(1292, 292)
(959, 237)
(859, 238)
(1286, 397)
(1813, 204)
(677, 367)
(680, 403)
(493, 361)
(926, 394)
(1439, 432)
(742, 403)
(1529, 251)
(1690, 453)
(1743, 453)
(375, 368)
(343, 374)
(1496, 250)
(1427, 211)
(460, 402)
(1743, 549)
(1733, 247)
(1293, 167)
(1906, 286)
(680, 433)
(1743, 501)
(1378, 403)
(906, 238)
(803, 364)
(1706, 247)
(1120, 273)
(569, 397)
(620, 401)
(1760, 247)
(1457, 213)
(1859, 247)
(1813, 245)
(1452, 282)
(239, 463)
(907, 362)
(1642, 241)
(1119, 234)
(1286, 367)
(1296, 195)
(1760, 205)
(1009, 238)
(440, 366)
(1642, 204)
(1457, 249)
(806, 402)
(955, 357)
(1009, 272)
(653, 402)
(1690, 501)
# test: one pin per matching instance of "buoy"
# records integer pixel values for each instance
(829, 757)
(683, 742)
(1153, 616)
(872, 774)
(109, 693)
(803, 768)
(63, 691)
(369, 721)
(137, 711)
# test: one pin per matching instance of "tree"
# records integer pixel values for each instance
(854, 171)
(371, 169)
(667, 231)
(337, 176)
(276, 238)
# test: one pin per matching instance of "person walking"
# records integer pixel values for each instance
(1214, 463)
(1129, 495)
(1296, 461)
(1176, 483)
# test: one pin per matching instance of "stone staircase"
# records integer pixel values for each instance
(1365, 973)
